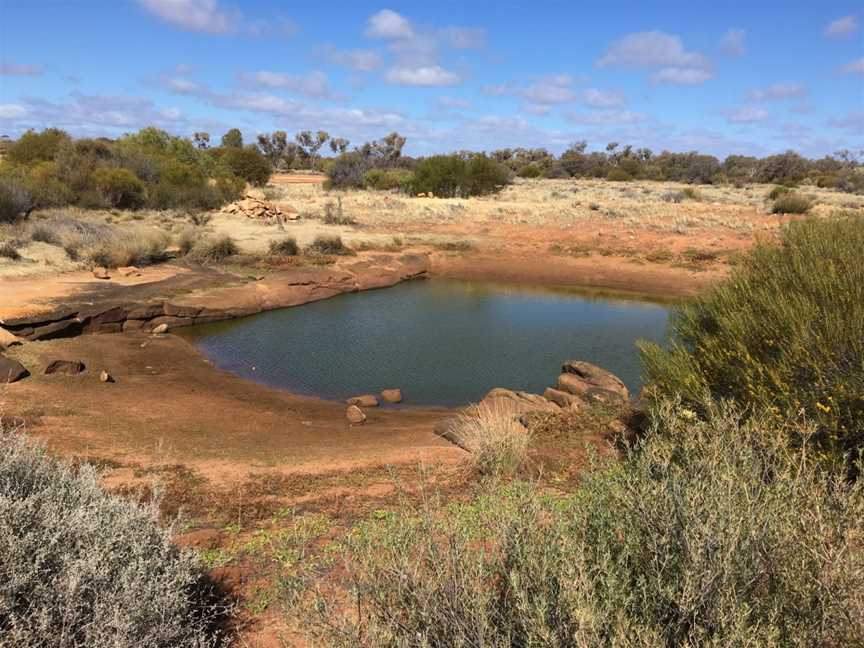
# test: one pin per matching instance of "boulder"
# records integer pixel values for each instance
(563, 399)
(101, 273)
(255, 193)
(106, 377)
(68, 367)
(392, 395)
(11, 370)
(578, 378)
(520, 402)
(63, 328)
(159, 329)
(355, 415)
(366, 400)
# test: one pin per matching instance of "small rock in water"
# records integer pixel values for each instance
(355, 415)
(106, 377)
(392, 395)
(366, 400)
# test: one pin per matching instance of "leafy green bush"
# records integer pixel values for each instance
(46, 188)
(791, 203)
(33, 147)
(284, 247)
(120, 187)
(483, 176)
(388, 179)
(530, 171)
(443, 175)
(784, 334)
(249, 164)
(330, 245)
(710, 533)
(79, 567)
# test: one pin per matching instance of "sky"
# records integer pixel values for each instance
(745, 77)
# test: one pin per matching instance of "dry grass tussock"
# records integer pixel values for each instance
(497, 442)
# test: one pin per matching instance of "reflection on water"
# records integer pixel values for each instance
(441, 342)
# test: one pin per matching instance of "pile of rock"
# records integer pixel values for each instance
(580, 384)
(255, 205)
(355, 414)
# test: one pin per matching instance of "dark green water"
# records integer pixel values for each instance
(441, 342)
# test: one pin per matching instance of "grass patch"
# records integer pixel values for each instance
(495, 439)
(214, 250)
(329, 245)
(284, 247)
(791, 203)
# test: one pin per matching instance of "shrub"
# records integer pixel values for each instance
(284, 247)
(139, 246)
(791, 203)
(249, 164)
(785, 333)
(46, 188)
(214, 250)
(778, 191)
(331, 245)
(33, 147)
(388, 179)
(335, 215)
(120, 187)
(494, 437)
(707, 534)
(9, 249)
(483, 176)
(15, 198)
(348, 171)
(692, 194)
(79, 567)
(618, 175)
(444, 175)
(530, 171)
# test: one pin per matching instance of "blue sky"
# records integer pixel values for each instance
(720, 77)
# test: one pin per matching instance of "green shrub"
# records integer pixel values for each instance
(708, 534)
(120, 187)
(214, 250)
(791, 203)
(249, 164)
(443, 175)
(483, 176)
(284, 247)
(784, 334)
(79, 567)
(33, 147)
(388, 179)
(46, 188)
(530, 171)
(330, 245)
(618, 175)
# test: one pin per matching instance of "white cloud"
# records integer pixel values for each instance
(464, 37)
(454, 102)
(681, 76)
(194, 15)
(607, 117)
(650, 49)
(852, 123)
(778, 92)
(19, 69)
(313, 84)
(855, 67)
(842, 27)
(540, 111)
(185, 86)
(360, 60)
(553, 89)
(746, 115)
(12, 111)
(732, 43)
(423, 75)
(389, 24)
(602, 98)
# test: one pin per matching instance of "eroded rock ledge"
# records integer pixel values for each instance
(279, 290)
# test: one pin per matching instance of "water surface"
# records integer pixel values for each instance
(441, 342)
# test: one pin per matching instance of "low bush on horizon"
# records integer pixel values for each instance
(80, 567)
(784, 334)
(709, 533)
(451, 176)
(147, 169)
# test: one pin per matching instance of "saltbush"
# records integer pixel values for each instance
(79, 567)
(618, 175)
(791, 203)
(784, 334)
(709, 533)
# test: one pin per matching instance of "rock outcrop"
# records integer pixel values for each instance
(590, 382)
(255, 205)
